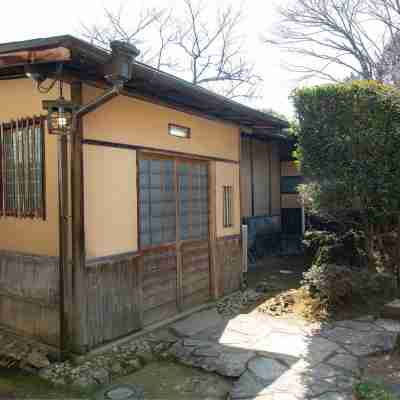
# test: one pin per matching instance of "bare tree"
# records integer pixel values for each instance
(387, 12)
(188, 43)
(214, 53)
(151, 30)
(333, 37)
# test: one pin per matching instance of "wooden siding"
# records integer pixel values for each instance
(260, 178)
(29, 300)
(159, 286)
(112, 307)
(229, 264)
(195, 273)
(275, 180)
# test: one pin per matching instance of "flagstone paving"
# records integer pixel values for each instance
(282, 359)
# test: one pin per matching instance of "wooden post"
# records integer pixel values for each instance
(212, 231)
(63, 248)
(79, 297)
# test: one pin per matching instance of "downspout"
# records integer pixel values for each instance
(118, 72)
(99, 101)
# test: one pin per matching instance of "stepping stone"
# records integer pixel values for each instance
(246, 387)
(233, 363)
(345, 361)
(360, 326)
(196, 323)
(388, 325)
(266, 369)
(314, 349)
(392, 310)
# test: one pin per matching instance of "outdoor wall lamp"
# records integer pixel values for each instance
(60, 115)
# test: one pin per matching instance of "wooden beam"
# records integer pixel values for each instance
(35, 56)
(154, 150)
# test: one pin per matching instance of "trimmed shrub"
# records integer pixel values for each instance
(332, 284)
(323, 247)
(336, 285)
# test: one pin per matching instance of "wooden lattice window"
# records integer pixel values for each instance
(157, 202)
(227, 198)
(193, 200)
(22, 187)
(173, 200)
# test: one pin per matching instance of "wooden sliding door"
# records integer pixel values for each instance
(173, 234)
(192, 236)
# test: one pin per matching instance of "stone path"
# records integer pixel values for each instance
(275, 359)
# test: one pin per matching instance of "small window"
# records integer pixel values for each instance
(228, 206)
(22, 168)
(179, 131)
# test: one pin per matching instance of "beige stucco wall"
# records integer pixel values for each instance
(289, 168)
(19, 98)
(131, 121)
(110, 201)
(110, 174)
(227, 174)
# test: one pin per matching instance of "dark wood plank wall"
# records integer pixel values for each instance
(229, 264)
(29, 296)
(195, 273)
(111, 304)
(159, 286)
(122, 293)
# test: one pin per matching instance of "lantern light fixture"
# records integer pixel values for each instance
(60, 116)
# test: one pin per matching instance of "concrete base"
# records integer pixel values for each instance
(392, 310)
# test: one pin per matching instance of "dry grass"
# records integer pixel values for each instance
(295, 301)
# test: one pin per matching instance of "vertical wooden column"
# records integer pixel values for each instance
(179, 275)
(78, 317)
(214, 271)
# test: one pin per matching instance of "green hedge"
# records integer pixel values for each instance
(349, 141)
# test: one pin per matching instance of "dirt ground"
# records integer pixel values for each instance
(282, 273)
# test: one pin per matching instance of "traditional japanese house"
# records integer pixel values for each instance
(121, 200)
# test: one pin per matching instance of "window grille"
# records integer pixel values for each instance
(173, 196)
(228, 206)
(22, 186)
(193, 200)
(157, 202)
